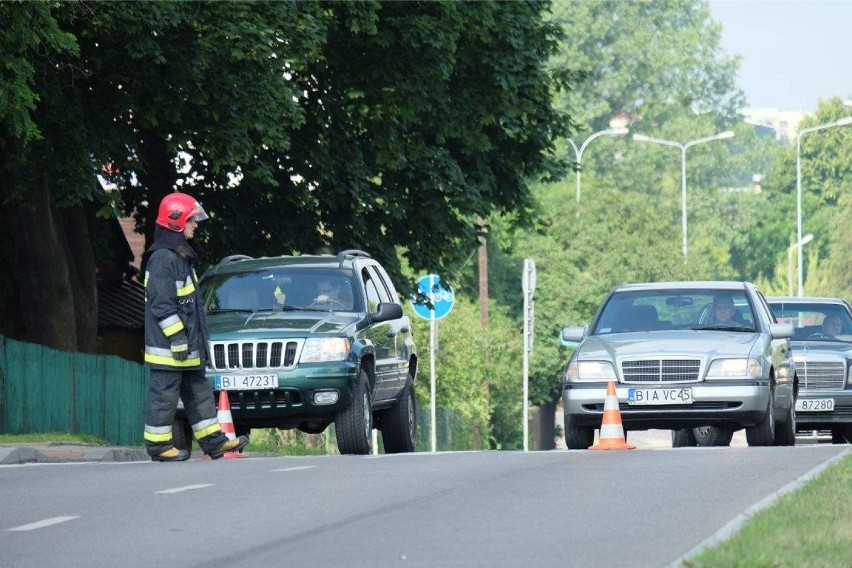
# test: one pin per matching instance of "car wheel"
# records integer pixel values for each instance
(841, 435)
(399, 424)
(354, 424)
(712, 436)
(683, 438)
(785, 432)
(763, 434)
(182, 434)
(578, 437)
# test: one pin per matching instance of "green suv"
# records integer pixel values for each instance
(307, 341)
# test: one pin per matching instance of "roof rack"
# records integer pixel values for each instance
(234, 258)
(344, 254)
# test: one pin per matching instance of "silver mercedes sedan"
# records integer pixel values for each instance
(822, 353)
(703, 359)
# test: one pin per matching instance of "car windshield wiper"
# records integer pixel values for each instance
(722, 327)
(285, 308)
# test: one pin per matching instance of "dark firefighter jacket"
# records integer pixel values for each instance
(174, 313)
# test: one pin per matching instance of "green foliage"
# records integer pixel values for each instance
(650, 60)
(478, 373)
(30, 41)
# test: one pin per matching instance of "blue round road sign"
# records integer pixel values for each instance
(442, 298)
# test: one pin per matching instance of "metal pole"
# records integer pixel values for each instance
(578, 153)
(683, 196)
(683, 147)
(526, 344)
(845, 121)
(433, 349)
(433, 332)
(790, 270)
(799, 210)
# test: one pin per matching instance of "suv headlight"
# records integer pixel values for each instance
(734, 369)
(319, 350)
(592, 371)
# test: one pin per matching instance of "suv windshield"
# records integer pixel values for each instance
(659, 310)
(285, 288)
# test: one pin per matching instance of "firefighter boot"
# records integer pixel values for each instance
(229, 446)
(171, 455)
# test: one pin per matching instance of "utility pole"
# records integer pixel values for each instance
(483, 282)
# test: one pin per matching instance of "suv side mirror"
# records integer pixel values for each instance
(387, 311)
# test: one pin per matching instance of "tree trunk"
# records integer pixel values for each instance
(41, 267)
(158, 176)
(11, 324)
(82, 278)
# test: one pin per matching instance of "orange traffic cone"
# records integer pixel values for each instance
(226, 422)
(612, 432)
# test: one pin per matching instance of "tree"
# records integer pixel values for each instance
(307, 126)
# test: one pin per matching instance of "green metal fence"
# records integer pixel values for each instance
(45, 390)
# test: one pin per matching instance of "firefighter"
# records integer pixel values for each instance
(176, 337)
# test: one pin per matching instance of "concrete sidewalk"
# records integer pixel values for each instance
(60, 452)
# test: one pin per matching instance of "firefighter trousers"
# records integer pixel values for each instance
(192, 387)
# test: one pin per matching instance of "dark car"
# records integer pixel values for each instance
(307, 341)
(678, 364)
(822, 352)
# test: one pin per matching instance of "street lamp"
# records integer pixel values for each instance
(841, 122)
(804, 240)
(721, 136)
(578, 152)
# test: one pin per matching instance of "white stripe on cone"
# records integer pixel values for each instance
(226, 421)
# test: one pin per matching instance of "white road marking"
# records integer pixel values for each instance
(296, 468)
(185, 488)
(43, 524)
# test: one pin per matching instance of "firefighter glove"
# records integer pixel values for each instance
(180, 347)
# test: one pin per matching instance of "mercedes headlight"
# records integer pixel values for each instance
(734, 369)
(591, 371)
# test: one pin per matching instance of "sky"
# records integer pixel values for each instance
(794, 52)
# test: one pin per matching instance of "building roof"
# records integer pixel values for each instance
(121, 304)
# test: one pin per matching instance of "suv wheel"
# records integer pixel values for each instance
(354, 424)
(399, 424)
(763, 434)
(182, 434)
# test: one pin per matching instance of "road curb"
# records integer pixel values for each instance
(68, 453)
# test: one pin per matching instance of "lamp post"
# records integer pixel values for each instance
(803, 241)
(721, 136)
(841, 122)
(578, 152)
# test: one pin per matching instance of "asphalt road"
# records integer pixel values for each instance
(580, 508)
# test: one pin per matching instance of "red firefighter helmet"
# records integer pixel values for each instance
(178, 208)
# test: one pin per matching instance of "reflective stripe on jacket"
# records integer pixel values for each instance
(173, 305)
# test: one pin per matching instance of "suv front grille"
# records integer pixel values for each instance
(231, 355)
(821, 375)
(660, 370)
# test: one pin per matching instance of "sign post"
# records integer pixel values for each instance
(528, 287)
(442, 300)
